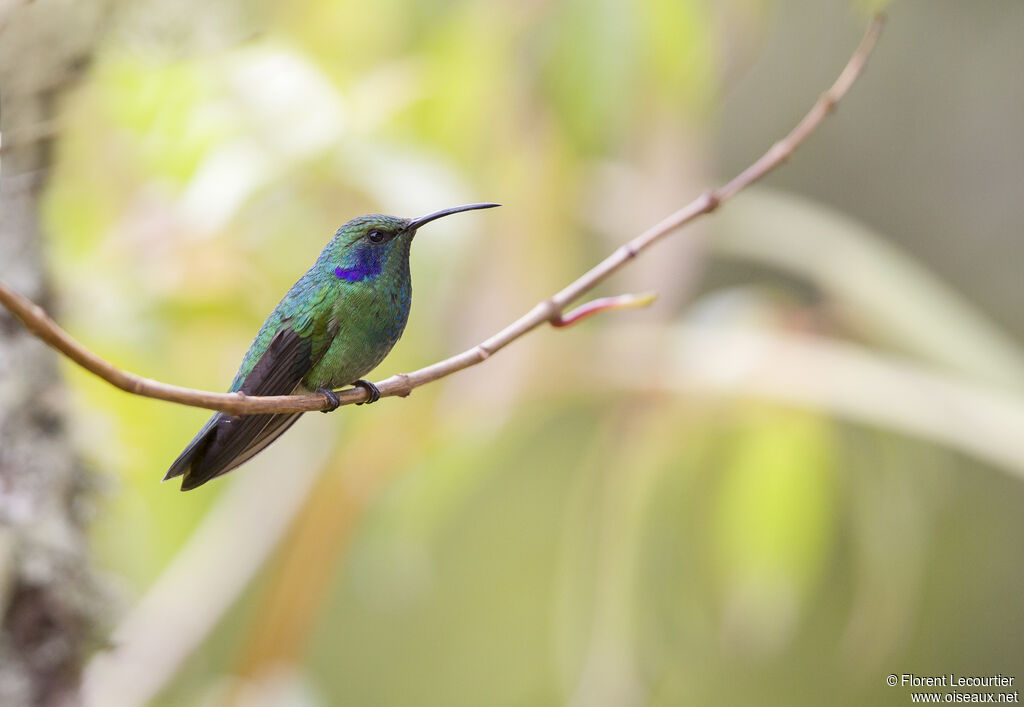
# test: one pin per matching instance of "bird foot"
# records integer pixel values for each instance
(370, 388)
(332, 398)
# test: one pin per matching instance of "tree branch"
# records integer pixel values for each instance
(548, 311)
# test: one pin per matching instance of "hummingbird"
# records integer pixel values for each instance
(332, 328)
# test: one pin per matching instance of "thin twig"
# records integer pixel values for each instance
(603, 304)
(549, 310)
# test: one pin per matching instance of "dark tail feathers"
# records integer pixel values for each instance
(224, 443)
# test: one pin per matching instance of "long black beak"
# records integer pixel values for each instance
(416, 223)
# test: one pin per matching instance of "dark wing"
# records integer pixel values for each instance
(226, 441)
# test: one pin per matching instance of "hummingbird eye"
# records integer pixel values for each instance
(375, 236)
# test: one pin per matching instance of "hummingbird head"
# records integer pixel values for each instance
(369, 245)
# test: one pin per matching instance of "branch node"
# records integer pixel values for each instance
(712, 200)
(407, 386)
(549, 309)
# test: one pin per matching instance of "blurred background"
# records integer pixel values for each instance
(799, 472)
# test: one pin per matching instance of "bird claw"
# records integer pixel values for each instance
(370, 388)
(332, 398)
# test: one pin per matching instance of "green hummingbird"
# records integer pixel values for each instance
(333, 327)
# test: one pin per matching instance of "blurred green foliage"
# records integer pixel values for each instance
(523, 533)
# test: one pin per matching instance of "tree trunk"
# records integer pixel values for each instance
(48, 597)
